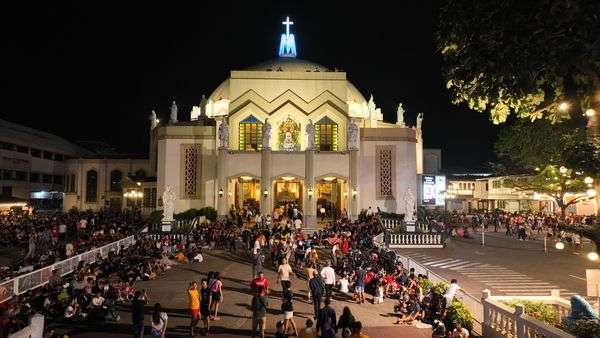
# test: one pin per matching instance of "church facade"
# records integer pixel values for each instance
(287, 131)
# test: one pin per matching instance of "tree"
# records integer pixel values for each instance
(528, 145)
(565, 186)
(534, 59)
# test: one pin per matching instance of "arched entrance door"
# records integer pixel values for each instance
(287, 192)
(331, 196)
(247, 193)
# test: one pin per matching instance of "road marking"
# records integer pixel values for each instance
(577, 277)
(464, 266)
(441, 265)
(438, 261)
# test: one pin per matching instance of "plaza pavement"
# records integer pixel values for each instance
(508, 266)
(235, 315)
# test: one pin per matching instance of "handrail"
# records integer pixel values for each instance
(39, 277)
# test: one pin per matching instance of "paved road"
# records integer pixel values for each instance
(170, 290)
(508, 266)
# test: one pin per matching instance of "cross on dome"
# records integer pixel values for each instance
(287, 46)
(287, 23)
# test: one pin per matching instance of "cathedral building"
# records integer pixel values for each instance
(287, 131)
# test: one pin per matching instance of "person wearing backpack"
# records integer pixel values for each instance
(316, 290)
(326, 321)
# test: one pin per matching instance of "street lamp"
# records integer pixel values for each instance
(590, 112)
(563, 169)
(354, 193)
(310, 193)
(220, 192)
(559, 245)
(588, 180)
(563, 106)
(593, 256)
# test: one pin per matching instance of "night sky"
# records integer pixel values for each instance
(88, 72)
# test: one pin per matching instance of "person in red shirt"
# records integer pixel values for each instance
(345, 247)
(260, 282)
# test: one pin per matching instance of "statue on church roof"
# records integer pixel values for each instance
(400, 116)
(409, 206)
(168, 198)
(419, 120)
(224, 135)
(374, 113)
(266, 135)
(153, 120)
(173, 113)
(353, 136)
(310, 135)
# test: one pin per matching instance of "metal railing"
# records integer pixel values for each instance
(39, 277)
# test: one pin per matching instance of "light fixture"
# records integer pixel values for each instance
(588, 180)
(593, 256)
(563, 169)
(328, 178)
(138, 183)
(354, 193)
(246, 178)
(220, 192)
(346, 194)
(265, 192)
(590, 192)
(287, 178)
(559, 245)
(590, 112)
(563, 106)
(537, 168)
(309, 192)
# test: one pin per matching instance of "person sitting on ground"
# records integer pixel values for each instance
(309, 331)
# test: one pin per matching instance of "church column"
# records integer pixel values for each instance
(354, 193)
(266, 201)
(309, 189)
(221, 182)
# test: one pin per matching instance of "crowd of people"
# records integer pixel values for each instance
(339, 263)
(35, 240)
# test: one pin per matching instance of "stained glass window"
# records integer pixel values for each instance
(250, 134)
(326, 132)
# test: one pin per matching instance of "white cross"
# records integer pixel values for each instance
(287, 24)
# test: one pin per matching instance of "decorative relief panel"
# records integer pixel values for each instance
(385, 171)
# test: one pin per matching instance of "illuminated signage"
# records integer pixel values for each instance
(433, 189)
(287, 46)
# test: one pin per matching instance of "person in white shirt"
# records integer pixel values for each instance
(298, 223)
(370, 212)
(328, 276)
(284, 273)
(69, 249)
(343, 282)
(451, 292)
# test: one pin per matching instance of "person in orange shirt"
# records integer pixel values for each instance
(357, 331)
(194, 304)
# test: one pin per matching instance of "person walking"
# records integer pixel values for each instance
(359, 284)
(159, 322)
(205, 305)
(260, 282)
(287, 307)
(326, 321)
(284, 273)
(216, 295)
(328, 275)
(259, 307)
(316, 290)
(194, 305)
(140, 299)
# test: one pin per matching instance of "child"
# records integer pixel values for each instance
(378, 299)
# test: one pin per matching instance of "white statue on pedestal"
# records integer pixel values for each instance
(288, 142)
(353, 136)
(419, 120)
(409, 206)
(310, 136)
(266, 134)
(224, 135)
(400, 116)
(173, 113)
(168, 198)
(153, 120)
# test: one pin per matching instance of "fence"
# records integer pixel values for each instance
(471, 302)
(37, 278)
(501, 320)
(158, 236)
(415, 240)
(393, 223)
